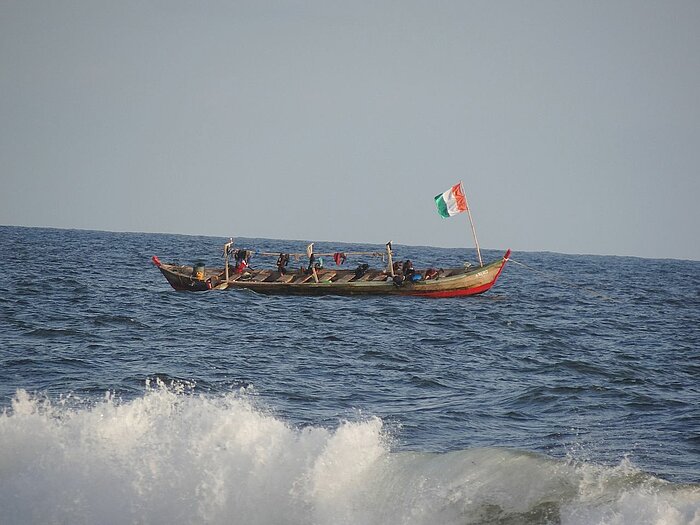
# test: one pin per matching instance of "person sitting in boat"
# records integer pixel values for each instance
(398, 277)
(430, 273)
(242, 257)
(409, 273)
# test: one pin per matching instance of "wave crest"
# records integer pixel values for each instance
(171, 456)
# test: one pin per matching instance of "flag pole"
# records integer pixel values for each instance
(471, 222)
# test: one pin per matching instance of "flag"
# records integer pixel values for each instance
(451, 202)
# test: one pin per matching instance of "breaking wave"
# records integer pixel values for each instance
(171, 456)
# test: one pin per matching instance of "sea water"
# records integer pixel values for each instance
(568, 394)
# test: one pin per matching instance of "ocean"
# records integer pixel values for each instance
(567, 394)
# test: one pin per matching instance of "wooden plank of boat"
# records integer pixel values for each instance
(261, 276)
(326, 276)
(286, 278)
(345, 278)
(302, 278)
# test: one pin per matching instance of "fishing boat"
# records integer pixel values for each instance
(450, 282)
(315, 279)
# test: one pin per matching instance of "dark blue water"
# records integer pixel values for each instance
(568, 393)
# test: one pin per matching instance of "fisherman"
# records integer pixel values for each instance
(241, 266)
(310, 267)
(282, 262)
(242, 257)
(407, 270)
(431, 273)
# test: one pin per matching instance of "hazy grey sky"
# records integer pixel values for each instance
(575, 126)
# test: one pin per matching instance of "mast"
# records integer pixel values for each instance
(391, 263)
(227, 253)
(471, 223)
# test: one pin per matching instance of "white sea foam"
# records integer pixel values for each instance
(173, 457)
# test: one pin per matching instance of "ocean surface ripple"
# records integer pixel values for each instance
(568, 393)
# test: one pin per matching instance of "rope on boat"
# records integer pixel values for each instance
(561, 280)
(228, 249)
(298, 256)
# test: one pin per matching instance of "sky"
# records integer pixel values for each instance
(574, 126)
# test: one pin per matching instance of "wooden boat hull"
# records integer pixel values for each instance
(451, 283)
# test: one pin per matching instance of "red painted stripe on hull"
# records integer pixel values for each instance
(457, 293)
